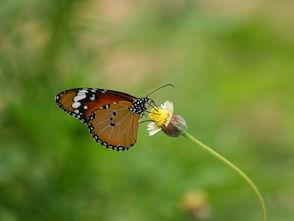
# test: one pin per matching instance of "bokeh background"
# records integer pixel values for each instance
(232, 65)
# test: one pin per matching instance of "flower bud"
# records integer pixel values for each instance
(175, 127)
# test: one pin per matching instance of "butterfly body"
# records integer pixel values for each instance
(111, 116)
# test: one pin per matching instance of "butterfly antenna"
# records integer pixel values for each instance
(144, 121)
(153, 105)
(165, 85)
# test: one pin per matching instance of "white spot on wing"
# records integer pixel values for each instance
(79, 97)
(83, 91)
(92, 97)
(76, 104)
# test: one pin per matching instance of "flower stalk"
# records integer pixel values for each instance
(233, 167)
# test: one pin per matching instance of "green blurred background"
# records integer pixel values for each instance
(232, 66)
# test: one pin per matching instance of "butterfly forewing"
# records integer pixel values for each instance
(81, 102)
(114, 125)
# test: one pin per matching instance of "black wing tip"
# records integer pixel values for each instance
(57, 97)
(71, 113)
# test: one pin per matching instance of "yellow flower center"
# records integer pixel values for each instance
(159, 116)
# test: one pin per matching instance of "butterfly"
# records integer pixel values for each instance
(111, 116)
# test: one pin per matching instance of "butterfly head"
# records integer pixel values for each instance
(140, 105)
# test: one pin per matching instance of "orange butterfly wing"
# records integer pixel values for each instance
(114, 125)
(81, 102)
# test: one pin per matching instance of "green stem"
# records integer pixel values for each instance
(232, 166)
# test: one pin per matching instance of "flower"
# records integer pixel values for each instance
(164, 119)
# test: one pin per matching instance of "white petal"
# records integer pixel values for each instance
(162, 106)
(152, 132)
(152, 128)
(169, 107)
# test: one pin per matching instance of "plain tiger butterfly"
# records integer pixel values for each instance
(111, 116)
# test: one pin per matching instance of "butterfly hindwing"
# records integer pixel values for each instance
(114, 125)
